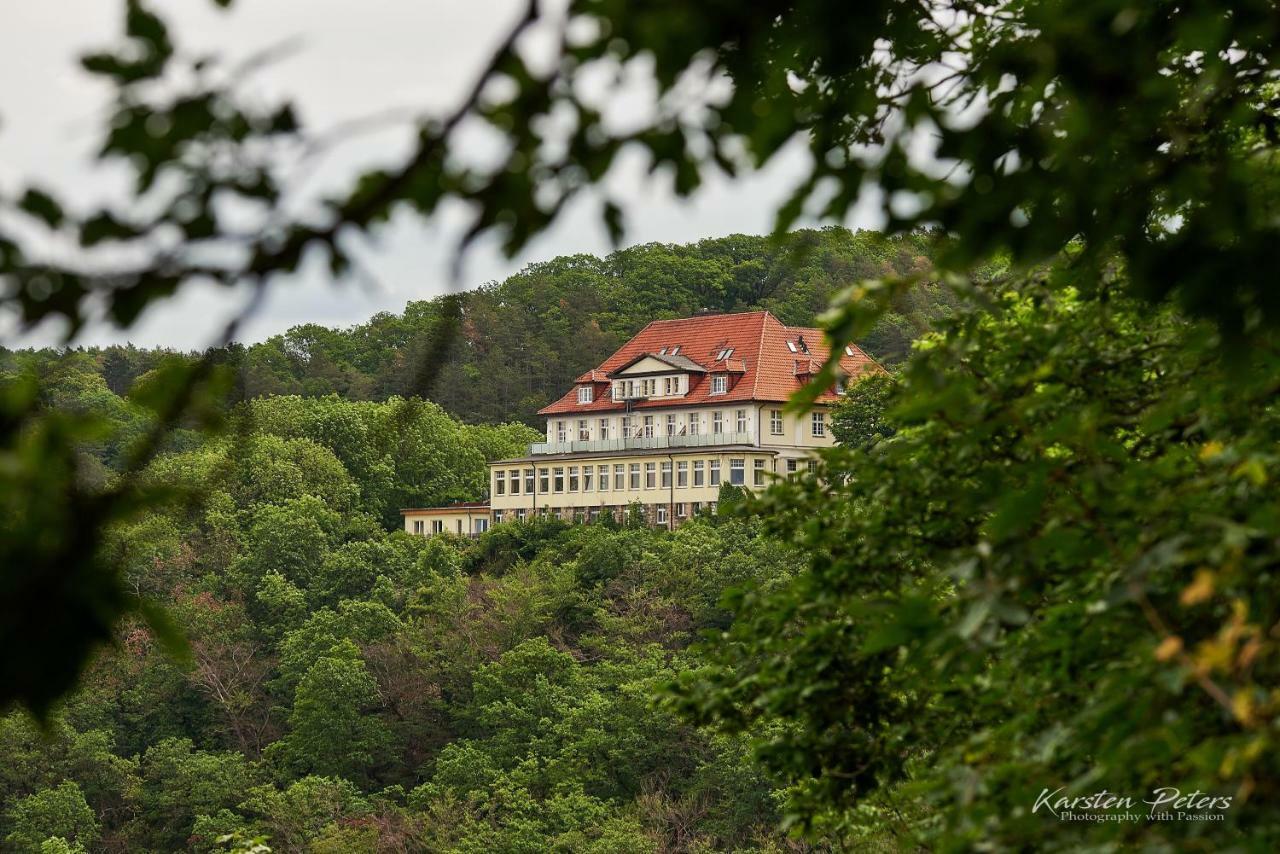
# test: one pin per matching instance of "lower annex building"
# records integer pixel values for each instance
(683, 407)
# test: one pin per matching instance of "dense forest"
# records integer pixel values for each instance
(350, 687)
(1036, 561)
(516, 345)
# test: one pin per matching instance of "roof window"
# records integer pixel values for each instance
(791, 346)
(724, 354)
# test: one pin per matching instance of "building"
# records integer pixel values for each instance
(683, 407)
(466, 519)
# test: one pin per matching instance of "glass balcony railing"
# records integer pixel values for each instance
(656, 443)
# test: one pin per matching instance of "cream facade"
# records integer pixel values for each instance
(462, 520)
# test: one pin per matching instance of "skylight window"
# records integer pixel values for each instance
(662, 352)
(675, 351)
(724, 354)
(848, 351)
(791, 346)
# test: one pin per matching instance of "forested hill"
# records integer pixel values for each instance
(521, 342)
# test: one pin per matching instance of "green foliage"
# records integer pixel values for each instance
(57, 812)
(860, 419)
(1052, 574)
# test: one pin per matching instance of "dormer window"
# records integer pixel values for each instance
(719, 383)
(584, 394)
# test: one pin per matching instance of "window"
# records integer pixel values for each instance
(839, 386)
(812, 465)
(669, 385)
(650, 475)
(588, 475)
(695, 507)
(737, 472)
(419, 526)
(520, 515)
(500, 483)
(619, 475)
(635, 475)
(717, 422)
(573, 478)
(719, 384)
(626, 426)
(559, 479)
(604, 478)
(819, 424)
(792, 465)
(698, 467)
(715, 472)
(682, 474)
(514, 477)
(528, 481)
(695, 423)
(662, 514)
(791, 345)
(775, 422)
(740, 422)
(681, 510)
(459, 526)
(604, 429)
(724, 354)
(758, 467)
(671, 425)
(648, 426)
(437, 526)
(584, 394)
(675, 351)
(666, 475)
(561, 434)
(848, 351)
(482, 525)
(584, 432)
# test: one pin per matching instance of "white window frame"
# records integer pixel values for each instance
(661, 514)
(740, 421)
(713, 473)
(699, 473)
(420, 526)
(818, 425)
(584, 430)
(604, 429)
(585, 394)
(499, 483)
(720, 384)
(562, 432)
(776, 427)
(717, 422)
(738, 469)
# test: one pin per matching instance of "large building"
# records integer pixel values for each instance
(682, 408)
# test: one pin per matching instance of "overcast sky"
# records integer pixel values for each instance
(352, 60)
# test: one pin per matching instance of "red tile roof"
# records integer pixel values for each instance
(761, 367)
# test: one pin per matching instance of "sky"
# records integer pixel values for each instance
(347, 61)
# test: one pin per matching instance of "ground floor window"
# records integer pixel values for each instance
(437, 526)
(419, 526)
(482, 525)
(662, 514)
(681, 510)
(758, 470)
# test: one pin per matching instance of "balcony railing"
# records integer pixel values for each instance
(701, 440)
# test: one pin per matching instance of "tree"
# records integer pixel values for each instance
(334, 729)
(1053, 571)
(57, 812)
(859, 419)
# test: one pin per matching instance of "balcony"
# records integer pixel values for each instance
(657, 443)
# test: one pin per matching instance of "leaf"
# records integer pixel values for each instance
(43, 207)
